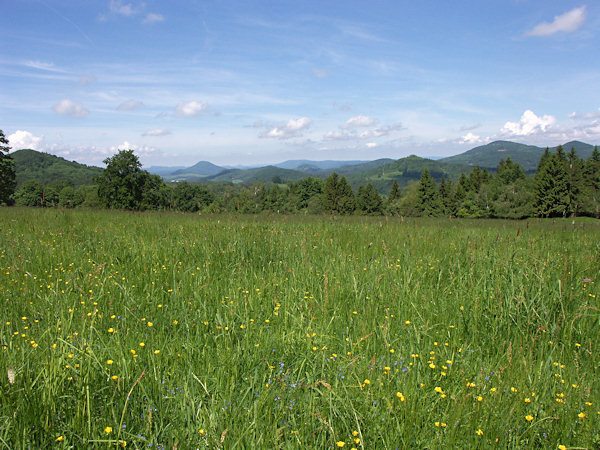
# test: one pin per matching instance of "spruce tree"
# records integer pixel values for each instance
(429, 199)
(552, 188)
(591, 185)
(7, 172)
(394, 192)
(368, 200)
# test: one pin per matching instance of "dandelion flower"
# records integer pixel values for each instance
(108, 430)
(340, 443)
(528, 417)
(60, 439)
(201, 431)
(581, 415)
(479, 432)
(109, 361)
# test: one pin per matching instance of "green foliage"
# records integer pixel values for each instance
(46, 169)
(124, 185)
(338, 197)
(7, 171)
(368, 201)
(429, 199)
(191, 197)
(552, 187)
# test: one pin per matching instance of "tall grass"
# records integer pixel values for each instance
(267, 331)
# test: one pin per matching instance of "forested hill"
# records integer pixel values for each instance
(405, 170)
(46, 169)
(527, 156)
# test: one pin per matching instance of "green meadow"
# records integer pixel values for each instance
(166, 330)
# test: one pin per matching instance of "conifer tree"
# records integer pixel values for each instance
(551, 188)
(368, 200)
(394, 192)
(7, 171)
(429, 199)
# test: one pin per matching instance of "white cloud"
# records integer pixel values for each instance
(123, 9)
(567, 22)
(69, 108)
(190, 109)
(24, 139)
(153, 18)
(585, 115)
(292, 128)
(471, 138)
(130, 105)
(42, 65)
(157, 132)
(381, 131)
(338, 136)
(529, 124)
(360, 121)
(371, 144)
(140, 150)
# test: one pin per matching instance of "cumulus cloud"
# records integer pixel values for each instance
(529, 124)
(130, 105)
(291, 128)
(360, 121)
(140, 150)
(567, 22)
(471, 138)
(153, 18)
(190, 109)
(69, 108)
(157, 132)
(24, 139)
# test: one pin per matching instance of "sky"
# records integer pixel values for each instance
(252, 83)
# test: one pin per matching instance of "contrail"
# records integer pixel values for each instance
(58, 13)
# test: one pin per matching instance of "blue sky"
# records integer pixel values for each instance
(238, 82)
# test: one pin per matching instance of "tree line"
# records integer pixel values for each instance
(563, 185)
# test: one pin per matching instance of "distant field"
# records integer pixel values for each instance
(162, 330)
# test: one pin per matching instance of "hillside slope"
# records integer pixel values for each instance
(46, 168)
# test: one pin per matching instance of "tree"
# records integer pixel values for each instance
(591, 185)
(7, 172)
(368, 200)
(124, 185)
(552, 188)
(509, 171)
(394, 192)
(338, 196)
(429, 199)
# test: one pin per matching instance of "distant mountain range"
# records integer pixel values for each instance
(47, 168)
